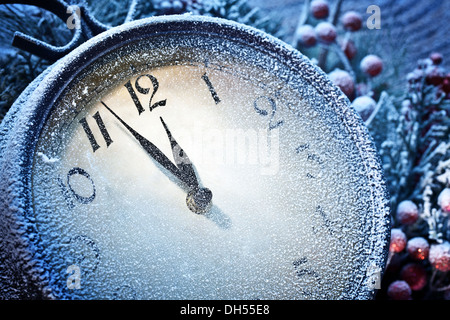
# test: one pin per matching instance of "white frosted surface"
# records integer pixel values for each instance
(305, 228)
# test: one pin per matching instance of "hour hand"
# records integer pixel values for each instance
(198, 199)
(182, 160)
(150, 148)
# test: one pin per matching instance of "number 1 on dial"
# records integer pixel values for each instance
(211, 88)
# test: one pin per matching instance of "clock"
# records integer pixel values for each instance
(189, 157)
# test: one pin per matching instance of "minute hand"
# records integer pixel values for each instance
(151, 149)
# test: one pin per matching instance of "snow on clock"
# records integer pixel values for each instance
(188, 157)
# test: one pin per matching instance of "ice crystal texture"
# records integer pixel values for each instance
(323, 237)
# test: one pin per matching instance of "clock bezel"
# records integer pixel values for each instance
(22, 126)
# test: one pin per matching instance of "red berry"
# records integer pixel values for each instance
(349, 48)
(396, 262)
(446, 84)
(352, 21)
(436, 58)
(320, 9)
(398, 240)
(444, 200)
(371, 65)
(415, 275)
(407, 212)
(418, 248)
(326, 32)
(439, 256)
(343, 80)
(399, 290)
(434, 76)
(364, 105)
(307, 35)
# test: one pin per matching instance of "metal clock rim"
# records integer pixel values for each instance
(57, 76)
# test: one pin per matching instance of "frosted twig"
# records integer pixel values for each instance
(132, 10)
(340, 53)
(301, 21)
(384, 96)
(333, 20)
(431, 216)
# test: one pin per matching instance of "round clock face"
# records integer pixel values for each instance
(188, 166)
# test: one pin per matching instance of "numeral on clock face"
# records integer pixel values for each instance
(70, 193)
(211, 89)
(90, 135)
(143, 90)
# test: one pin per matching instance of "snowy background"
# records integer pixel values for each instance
(397, 77)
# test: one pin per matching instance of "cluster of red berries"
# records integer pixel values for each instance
(415, 261)
(434, 74)
(418, 265)
(325, 33)
(419, 253)
(427, 101)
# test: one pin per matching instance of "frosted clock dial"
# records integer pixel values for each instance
(187, 166)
